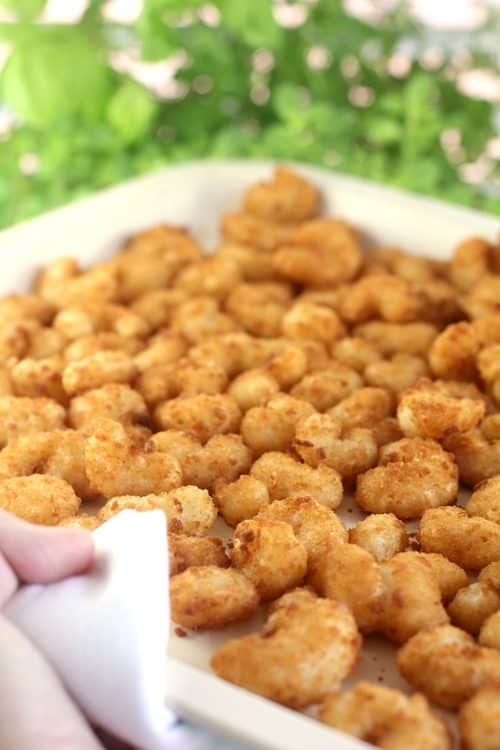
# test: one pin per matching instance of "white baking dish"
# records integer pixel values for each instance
(195, 195)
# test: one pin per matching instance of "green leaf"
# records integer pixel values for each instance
(383, 131)
(253, 21)
(26, 10)
(131, 111)
(289, 101)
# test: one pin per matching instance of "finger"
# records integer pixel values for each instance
(40, 554)
(35, 710)
(111, 743)
(8, 580)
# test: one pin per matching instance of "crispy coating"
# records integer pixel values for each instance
(203, 415)
(365, 407)
(198, 318)
(85, 320)
(242, 499)
(270, 555)
(453, 353)
(162, 349)
(477, 456)
(272, 427)
(182, 378)
(259, 308)
(251, 230)
(156, 307)
(472, 543)
(81, 521)
(214, 277)
(472, 605)
(315, 526)
(114, 401)
(355, 352)
(325, 388)
(350, 574)
(100, 342)
(489, 635)
(207, 597)
(286, 197)
(447, 666)
(222, 459)
(37, 378)
(253, 264)
(186, 551)
(253, 388)
(412, 598)
(320, 253)
(320, 439)
(308, 646)
(491, 574)
(386, 718)
(307, 320)
(63, 284)
(487, 329)
(39, 498)
(482, 298)
(479, 719)
(21, 415)
(398, 338)
(485, 500)
(450, 576)
(285, 477)
(97, 370)
(175, 442)
(118, 465)
(400, 372)
(381, 534)
(426, 411)
(20, 307)
(380, 296)
(188, 509)
(472, 259)
(412, 476)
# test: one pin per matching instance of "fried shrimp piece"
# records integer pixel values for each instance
(489, 635)
(411, 599)
(320, 439)
(450, 577)
(482, 298)
(472, 259)
(412, 475)
(37, 378)
(118, 465)
(477, 457)
(182, 378)
(81, 521)
(186, 551)
(22, 307)
(199, 318)
(163, 349)
(253, 388)
(113, 401)
(208, 597)
(20, 415)
(355, 352)
(284, 477)
(214, 277)
(472, 543)
(381, 534)
(487, 329)
(253, 264)
(286, 197)
(485, 500)
(315, 526)
(447, 666)
(308, 646)
(203, 415)
(325, 388)
(398, 338)
(259, 308)
(479, 719)
(427, 411)
(400, 372)
(488, 362)
(189, 510)
(307, 320)
(59, 453)
(85, 320)
(350, 574)
(63, 284)
(365, 407)
(222, 459)
(270, 555)
(157, 307)
(472, 605)
(320, 253)
(453, 353)
(241, 499)
(97, 370)
(386, 718)
(248, 229)
(272, 427)
(380, 296)
(100, 342)
(39, 498)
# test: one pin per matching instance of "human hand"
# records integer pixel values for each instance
(36, 712)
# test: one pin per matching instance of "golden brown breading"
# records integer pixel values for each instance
(39, 498)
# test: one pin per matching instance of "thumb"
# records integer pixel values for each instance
(39, 554)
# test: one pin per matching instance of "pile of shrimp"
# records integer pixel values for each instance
(260, 386)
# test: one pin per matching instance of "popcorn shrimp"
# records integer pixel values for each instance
(39, 498)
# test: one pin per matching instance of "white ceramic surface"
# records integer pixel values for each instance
(195, 195)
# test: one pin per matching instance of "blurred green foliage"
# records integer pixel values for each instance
(91, 126)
